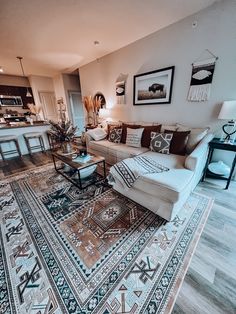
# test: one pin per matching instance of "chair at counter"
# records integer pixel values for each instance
(9, 139)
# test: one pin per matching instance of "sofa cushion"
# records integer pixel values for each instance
(167, 185)
(160, 142)
(122, 151)
(179, 142)
(146, 137)
(196, 135)
(134, 136)
(124, 130)
(101, 146)
(115, 135)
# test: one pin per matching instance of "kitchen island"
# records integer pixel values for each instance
(18, 129)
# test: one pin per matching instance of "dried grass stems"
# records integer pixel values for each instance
(34, 109)
(92, 107)
(91, 104)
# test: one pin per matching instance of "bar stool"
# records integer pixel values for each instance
(34, 135)
(54, 144)
(8, 139)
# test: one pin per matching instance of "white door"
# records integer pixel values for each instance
(48, 101)
(77, 111)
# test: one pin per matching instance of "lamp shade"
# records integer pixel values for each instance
(228, 110)
(103, 113)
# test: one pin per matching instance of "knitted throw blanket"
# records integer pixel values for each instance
(129, 170)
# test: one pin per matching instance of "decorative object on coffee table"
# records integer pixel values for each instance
(63, 132)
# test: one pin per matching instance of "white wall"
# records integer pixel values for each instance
(178, 45)
(40, 84)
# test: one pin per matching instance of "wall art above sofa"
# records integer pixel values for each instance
(154, 87)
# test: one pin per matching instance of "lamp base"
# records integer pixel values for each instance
(229, 132)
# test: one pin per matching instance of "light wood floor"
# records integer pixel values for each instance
(210, 284)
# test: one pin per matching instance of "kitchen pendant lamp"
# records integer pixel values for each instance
(28, 94)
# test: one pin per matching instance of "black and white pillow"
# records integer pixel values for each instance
(115, 135)
(160, 142)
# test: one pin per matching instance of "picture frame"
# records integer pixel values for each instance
(153, 88)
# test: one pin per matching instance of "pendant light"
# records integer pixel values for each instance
(28, 94)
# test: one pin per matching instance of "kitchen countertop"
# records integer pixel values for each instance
(21, 125)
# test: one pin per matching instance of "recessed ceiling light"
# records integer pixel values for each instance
(1, 69)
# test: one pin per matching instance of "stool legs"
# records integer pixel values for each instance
(42, 143)
(1, 153)
(29, 147)
(17, 148)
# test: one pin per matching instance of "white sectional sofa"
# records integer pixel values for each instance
(163, 193)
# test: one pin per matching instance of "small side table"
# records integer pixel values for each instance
(217, 144)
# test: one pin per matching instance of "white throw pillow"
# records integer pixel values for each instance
(97, 134)
(195, 136)
(134, 137)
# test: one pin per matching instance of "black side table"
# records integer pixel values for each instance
(217, 144)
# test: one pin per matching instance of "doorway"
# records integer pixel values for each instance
(77, 111)
(48, 101)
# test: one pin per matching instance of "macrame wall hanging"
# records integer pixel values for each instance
(201, 79)
(120, 88)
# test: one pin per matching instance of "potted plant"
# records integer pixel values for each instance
(63, 132)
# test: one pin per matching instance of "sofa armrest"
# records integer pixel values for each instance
(197, 159)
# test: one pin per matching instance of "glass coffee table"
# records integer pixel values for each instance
(79, 173)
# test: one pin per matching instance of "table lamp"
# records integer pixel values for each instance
(228, 112)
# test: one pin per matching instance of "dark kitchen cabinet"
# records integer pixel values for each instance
(17, 91)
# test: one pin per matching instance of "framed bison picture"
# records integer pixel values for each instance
(154, 87)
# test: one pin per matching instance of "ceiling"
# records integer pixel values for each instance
(56, 36)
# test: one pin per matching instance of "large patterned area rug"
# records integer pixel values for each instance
(94, 251)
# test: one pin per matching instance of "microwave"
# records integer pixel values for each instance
(11, 101)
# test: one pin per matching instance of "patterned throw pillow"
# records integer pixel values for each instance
(133, 137)
(160, 142)
(146, 137)
(115, 135)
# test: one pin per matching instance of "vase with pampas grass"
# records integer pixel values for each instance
(92, 107)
